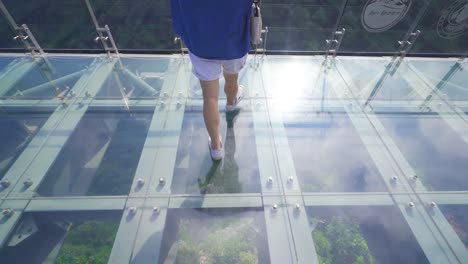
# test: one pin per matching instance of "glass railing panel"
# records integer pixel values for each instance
(85, 237)
(214, 236)
(447, 77)
(433, 149)
(7, 41)
(18, 128)
(328, 153)
(444, 28)
(195, 171)
(56, 24)
(363, 234)
(45, 81)
(139, 25)
(457, 216)
(140, 78)
(300, 25)
(101, 156)
(377, 26)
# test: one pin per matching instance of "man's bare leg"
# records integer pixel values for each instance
(210, 110)
(231, 87)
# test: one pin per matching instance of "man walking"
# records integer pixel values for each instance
(217, 34)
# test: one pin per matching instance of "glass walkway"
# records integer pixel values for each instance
(330, 159)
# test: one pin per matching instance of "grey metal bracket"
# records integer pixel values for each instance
(24, 34)
(104, 35)
(333, 44)
(257, 50)
(183, 49)
(406, 44)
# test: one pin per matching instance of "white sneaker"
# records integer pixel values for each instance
(216, 154)
(239, 97)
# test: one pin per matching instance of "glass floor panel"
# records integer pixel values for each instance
(195, 172)
(434, 150)
(307, 177)
(214, 236)
(100, 157)
(321, 141)
(363, 235)
(136, 78)
(45, 81)
(4, 61)
(457, 216)
(449, 77)
(17, 130)
(63, 238)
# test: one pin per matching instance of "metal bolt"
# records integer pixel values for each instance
(132, 210)
(87, 94)
(64, 104)
(298, 206)
(162, 181)
(7, 212)
(394, 178)
(163, 104)
(410, 205)
(72, 93)
(270, 180)
(5, 183)
(274, 207)
(414, 178)
(156, 209)
(290, 179)
(28, 183)
(432, 204)
(140, 181)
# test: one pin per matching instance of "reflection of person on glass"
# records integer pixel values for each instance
(225, 178)
(218, 38)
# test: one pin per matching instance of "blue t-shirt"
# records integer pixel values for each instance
(213, 29)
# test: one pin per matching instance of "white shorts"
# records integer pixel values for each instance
(209, 70)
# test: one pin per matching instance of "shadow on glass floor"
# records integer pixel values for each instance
(328, 154)
(215, 236)
(17, 130)
(62, 238)
(101, 156)
(434, 150)
(195, 171)
(363, 234)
